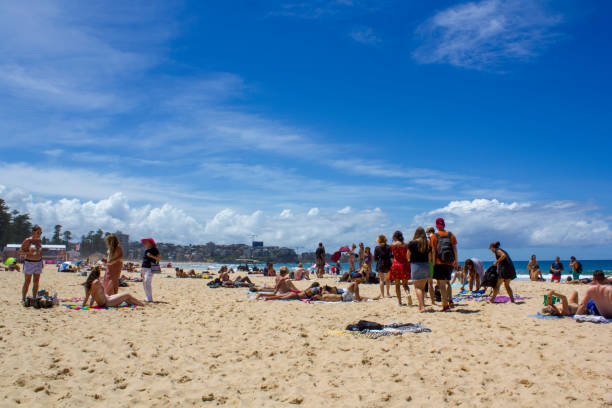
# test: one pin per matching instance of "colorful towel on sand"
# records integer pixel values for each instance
(395, 329)
(545, 317)
(578, 318)
(121, 306)
(479, 296)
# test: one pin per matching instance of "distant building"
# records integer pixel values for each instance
(258, 244)
(51, 254)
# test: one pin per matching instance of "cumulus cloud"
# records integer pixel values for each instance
(168, 223)
(484, 34)
(518, 225)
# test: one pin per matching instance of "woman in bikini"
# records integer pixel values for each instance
(312, 292)
(95, 291)
(568, 307)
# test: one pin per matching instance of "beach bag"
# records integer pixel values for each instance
(490, 277)
(364, 325)
(445, 251)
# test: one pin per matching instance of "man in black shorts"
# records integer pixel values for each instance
(444, 257)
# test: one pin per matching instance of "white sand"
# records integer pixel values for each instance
(214, 343)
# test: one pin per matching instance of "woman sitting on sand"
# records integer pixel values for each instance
(94, 290)
(282, 284)
(535, 274)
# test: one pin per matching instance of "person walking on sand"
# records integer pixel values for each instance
(419, 254)
(400, 270)
(33, 265)
(114, 262)
(320, 260)
(150, 264)
(384, 259)
(505, 270)
(444, 255)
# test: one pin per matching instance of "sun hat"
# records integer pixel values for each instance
(440, 223)
(149, 240)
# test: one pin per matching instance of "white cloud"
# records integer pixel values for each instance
(365, 35)
(345, 210)
(313, 212)
(485, 34)
(167, 223)
(521, 224)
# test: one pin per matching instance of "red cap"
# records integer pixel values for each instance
(150, 240)
(440, 223)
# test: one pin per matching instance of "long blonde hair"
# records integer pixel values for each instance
(421, 239)
(112, 243)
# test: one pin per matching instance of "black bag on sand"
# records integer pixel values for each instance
(489, 279)
(364, 325)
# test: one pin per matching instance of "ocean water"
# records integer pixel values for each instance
(588, 266)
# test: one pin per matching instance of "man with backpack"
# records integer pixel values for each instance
(444, 256)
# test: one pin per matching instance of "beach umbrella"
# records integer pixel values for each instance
(10, 261)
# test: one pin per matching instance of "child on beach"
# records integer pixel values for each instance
(33, 265)
(150, 264)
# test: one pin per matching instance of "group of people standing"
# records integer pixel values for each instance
(430, 255)
(555, 270)
(104, 291)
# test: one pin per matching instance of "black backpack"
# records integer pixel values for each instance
(489, 279)
(445, 251)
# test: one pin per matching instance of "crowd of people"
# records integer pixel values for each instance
(428, 261)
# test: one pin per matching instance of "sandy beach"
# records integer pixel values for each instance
(209, 347)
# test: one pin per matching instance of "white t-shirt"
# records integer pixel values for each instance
(478, 267)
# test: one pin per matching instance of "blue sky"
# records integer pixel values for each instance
(301, 121)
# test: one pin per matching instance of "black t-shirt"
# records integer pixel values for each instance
(320, 254)
(415, 255)
(146, 261)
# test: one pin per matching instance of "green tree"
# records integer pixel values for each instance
(20, 227)
(67, 237)
(57, 235)
(5, 223)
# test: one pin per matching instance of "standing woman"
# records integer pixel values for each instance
(33, 265)
(505, 270)
(400, 271)
(150, 262)
(384, 258)
(535, 274)
(419, 254)
(114, 262)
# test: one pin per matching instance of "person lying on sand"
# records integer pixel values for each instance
(94, 290)
(567, 307)
(350, 294)
(312, 292)
(125, 278)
